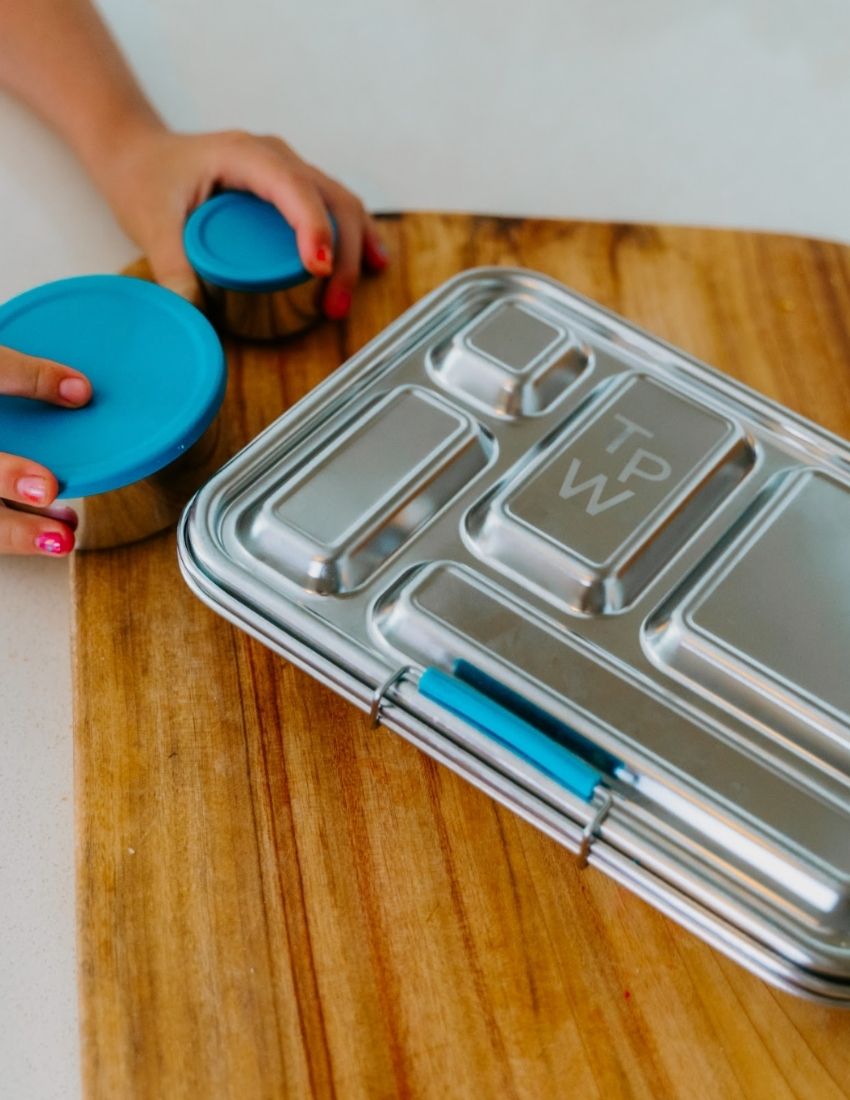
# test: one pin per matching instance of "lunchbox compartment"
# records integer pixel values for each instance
(348, 504)
(445, 616)
(610, 500)
(763, 623)
(510, 361)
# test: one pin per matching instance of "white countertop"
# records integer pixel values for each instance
(732, 115)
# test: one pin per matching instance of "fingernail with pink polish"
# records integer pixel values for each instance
(33, 489)
(54, 542)
(73, 390)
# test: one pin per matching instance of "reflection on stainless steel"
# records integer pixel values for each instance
(765, 623)
(511, 360)
(445, 612)
(349, 505)
(151, 505)
(631, 545)
(264, 314)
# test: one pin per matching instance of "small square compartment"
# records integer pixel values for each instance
(513, 337)
(509, 361)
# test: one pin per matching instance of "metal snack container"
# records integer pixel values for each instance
(129, 460)
(599, 579)
(246, 258)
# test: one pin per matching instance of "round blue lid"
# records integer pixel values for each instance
(156, 366)
(239, 242)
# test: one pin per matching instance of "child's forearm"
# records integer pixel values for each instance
(58, 58)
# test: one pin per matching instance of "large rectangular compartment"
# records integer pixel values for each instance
(632, 557)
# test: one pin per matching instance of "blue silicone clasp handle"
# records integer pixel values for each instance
(495, 720)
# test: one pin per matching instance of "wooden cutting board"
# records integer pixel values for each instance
(276, 901)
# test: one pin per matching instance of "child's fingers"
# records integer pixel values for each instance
(40, 528)
(349, 253)
(42, 379)
(346, 208)
(26, 482)
(375, 255)
(25, 533)
(352, 223)
(63, 513)
(59, 510)
(268, 168)
(29, 521)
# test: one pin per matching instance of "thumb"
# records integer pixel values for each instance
(170, 267)
(42, 379)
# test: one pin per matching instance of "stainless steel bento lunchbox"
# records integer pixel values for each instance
(129, 460)
(246, 258)
(599, 579)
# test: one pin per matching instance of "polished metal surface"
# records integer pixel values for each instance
(372, 499)
(264, 314)
(509, 361)
(764, 624)
(154, 504)
(643, 551)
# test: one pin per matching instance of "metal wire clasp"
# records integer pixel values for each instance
(591, 829)
(380, 693)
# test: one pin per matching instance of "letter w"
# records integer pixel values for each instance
(597, 486)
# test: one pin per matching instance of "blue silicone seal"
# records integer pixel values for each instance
(239, 242)
(157, 370)
(496, 721)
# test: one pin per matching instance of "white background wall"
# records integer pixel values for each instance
(728, 113)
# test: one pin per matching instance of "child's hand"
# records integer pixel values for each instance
(58, 57)
(160, 177)
(43, 528)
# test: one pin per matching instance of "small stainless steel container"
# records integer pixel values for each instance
(130, 459)
(602, 581)
(246, 258)
(152, 504)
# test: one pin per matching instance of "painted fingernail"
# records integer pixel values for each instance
(73, 390)
(33, 489)
(54, 542)
(338, 304)
(324, 261)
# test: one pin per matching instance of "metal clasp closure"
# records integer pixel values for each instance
(380, 693)
(591, 829)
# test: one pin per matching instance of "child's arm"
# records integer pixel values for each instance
(58, 57)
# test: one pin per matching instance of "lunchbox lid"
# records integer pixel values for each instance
(237, 241)
(157, 370)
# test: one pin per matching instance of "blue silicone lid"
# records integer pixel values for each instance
(239, 242)
(156, 366)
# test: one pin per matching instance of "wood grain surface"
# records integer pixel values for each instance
(276, 901)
